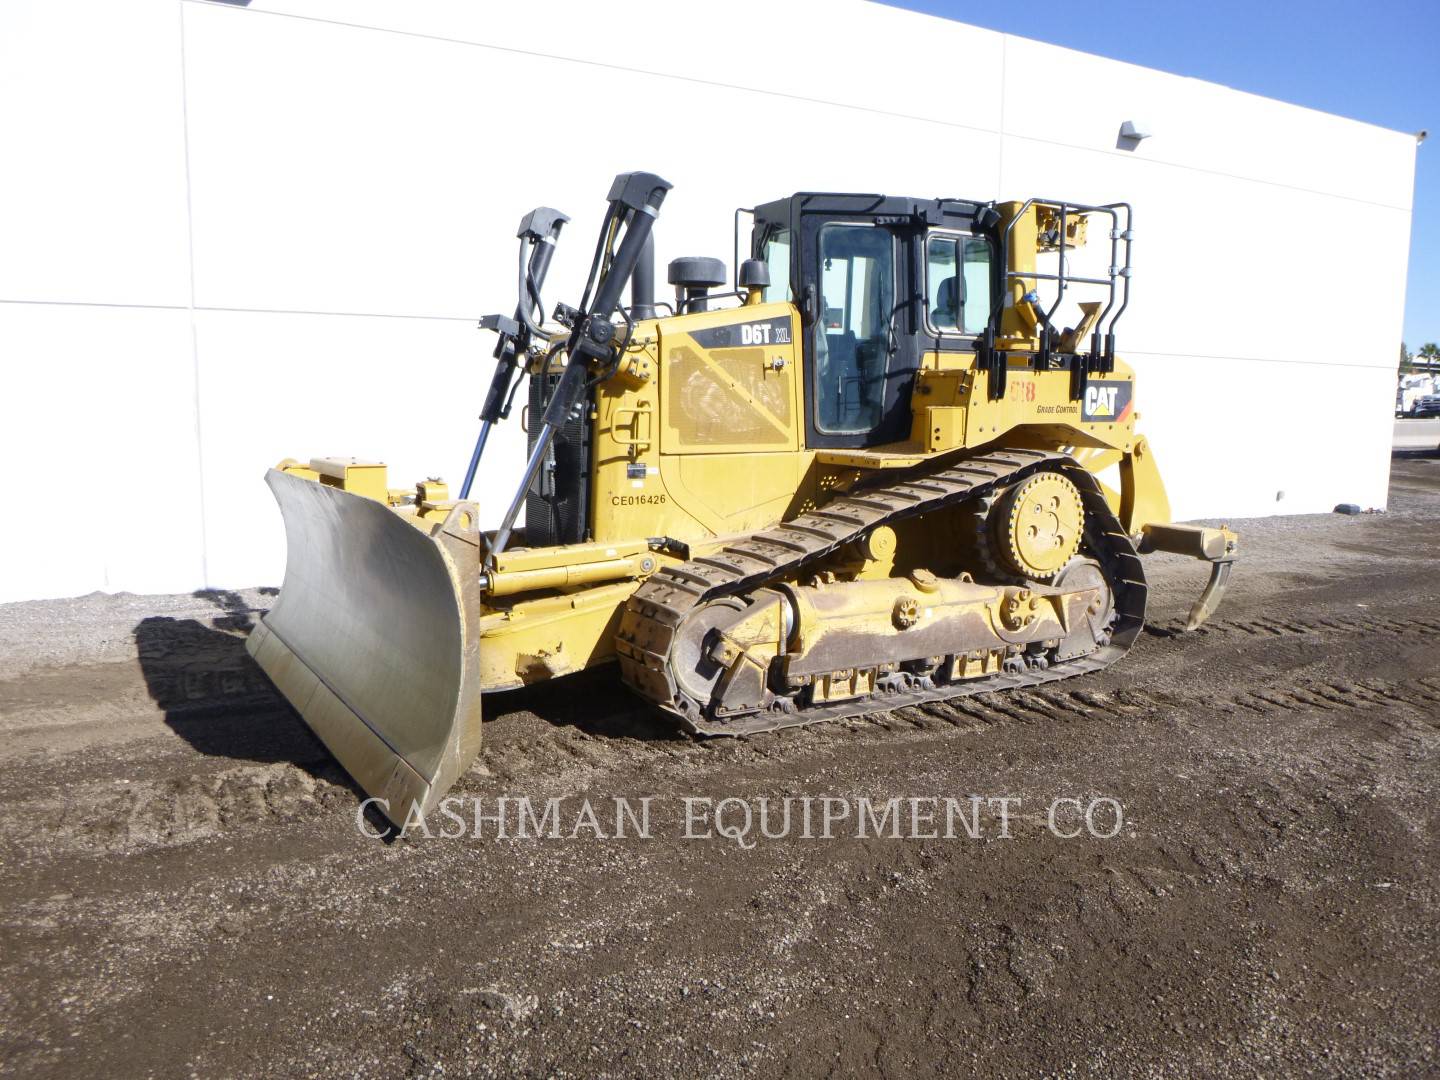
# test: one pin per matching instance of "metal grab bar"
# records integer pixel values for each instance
(1101, 357)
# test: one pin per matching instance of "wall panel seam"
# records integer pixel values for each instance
(534, 54)
(194, 333)
(999, 132)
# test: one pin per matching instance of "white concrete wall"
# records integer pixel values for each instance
(230, 234)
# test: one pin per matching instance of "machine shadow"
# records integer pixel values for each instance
(216, 698)
(592, 701)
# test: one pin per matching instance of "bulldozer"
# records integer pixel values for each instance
(870, 471)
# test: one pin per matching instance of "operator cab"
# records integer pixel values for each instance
(880, 281)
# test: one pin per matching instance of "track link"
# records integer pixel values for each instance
(656, 610)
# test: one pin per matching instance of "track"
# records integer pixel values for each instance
(656, 612)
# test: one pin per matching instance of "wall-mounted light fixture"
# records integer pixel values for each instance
(1132, 131)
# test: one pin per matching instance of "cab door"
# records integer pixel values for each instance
(860, 345)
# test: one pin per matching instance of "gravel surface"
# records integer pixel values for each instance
(185, 890)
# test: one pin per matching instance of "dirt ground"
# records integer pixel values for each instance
(185, 892)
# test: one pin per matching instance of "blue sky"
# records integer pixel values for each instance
(1377, 62)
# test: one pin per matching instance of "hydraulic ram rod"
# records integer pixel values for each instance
(541, 229)
(592, 336)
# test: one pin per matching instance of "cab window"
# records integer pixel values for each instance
(777, 261)
(957, 283)
(853, 331)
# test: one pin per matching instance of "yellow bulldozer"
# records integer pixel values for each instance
(872, 472)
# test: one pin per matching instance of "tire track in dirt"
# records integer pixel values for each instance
(571, 750)
(98, 819)
(523, 759)
(107, 819)
(1273, 627)
(1270, 908)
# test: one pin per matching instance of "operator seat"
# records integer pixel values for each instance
(946, 315)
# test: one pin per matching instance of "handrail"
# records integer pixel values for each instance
(1101, 357)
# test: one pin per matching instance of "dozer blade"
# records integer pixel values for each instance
(374, 639)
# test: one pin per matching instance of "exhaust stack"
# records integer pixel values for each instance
(642, 283)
